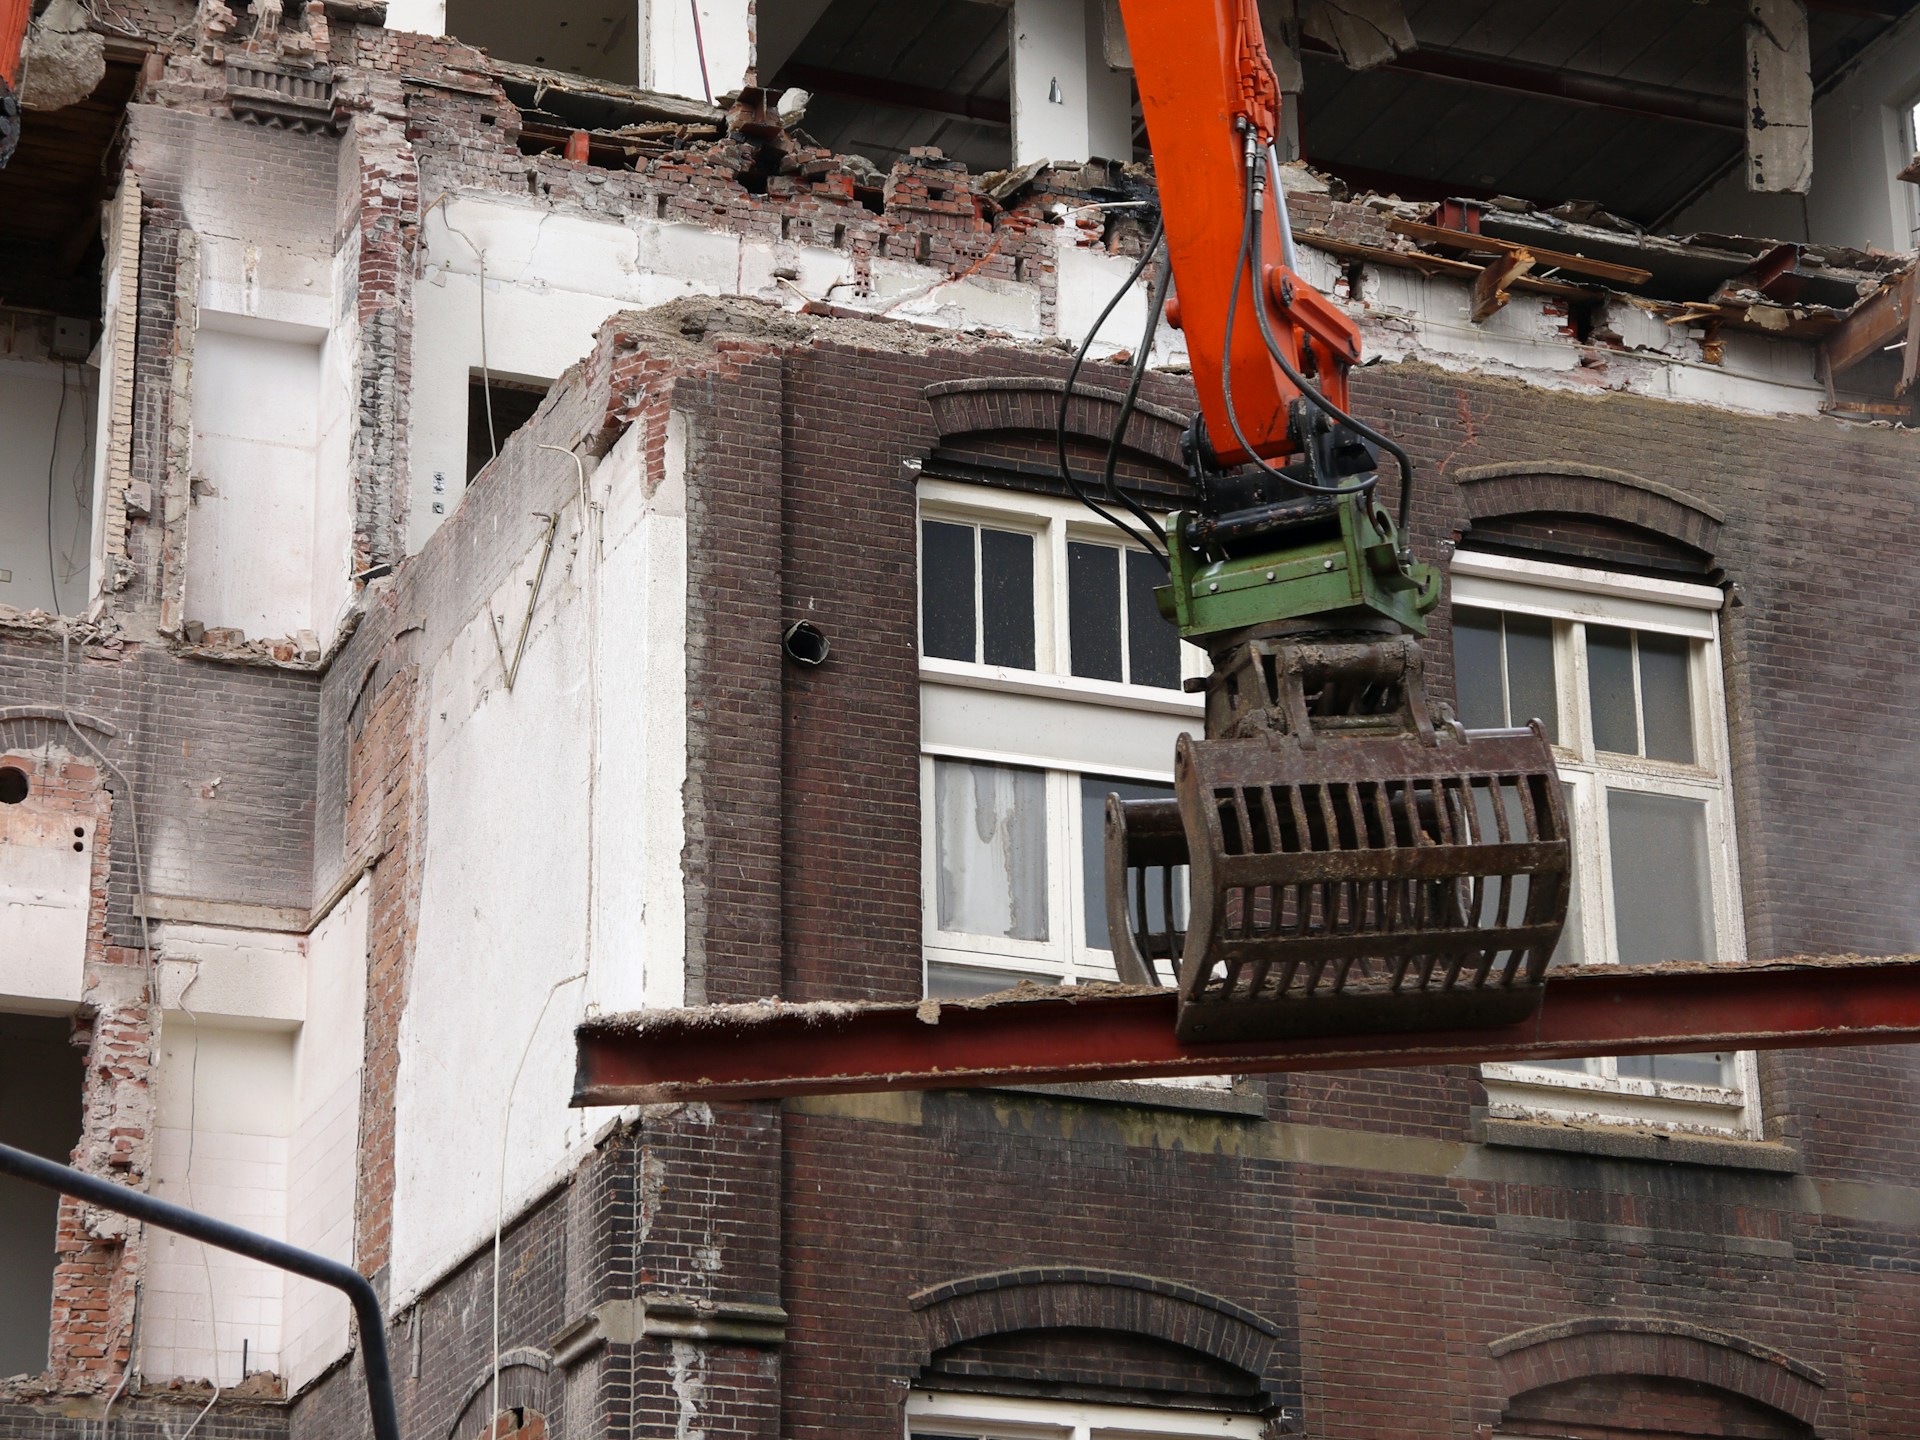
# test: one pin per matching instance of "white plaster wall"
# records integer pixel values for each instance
(29, 406)
(670, 51)
(1068, 105)
(223, 1096)
(1859, 142)
(338, 416)
(551, 279)
(322, 1155)
(422, 17)
(256, 433)
(44, 898)
(551, 871)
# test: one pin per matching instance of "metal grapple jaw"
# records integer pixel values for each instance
(1351, 864)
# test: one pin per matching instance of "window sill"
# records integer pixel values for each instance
(1249, 1104)
(1623, 1142)
(1007, 681)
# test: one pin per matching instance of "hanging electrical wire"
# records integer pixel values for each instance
(1153, 541)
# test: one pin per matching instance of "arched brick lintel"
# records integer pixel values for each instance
(1672, 1349)
(1057, 1296)
(1530, 487)
(1030, 406)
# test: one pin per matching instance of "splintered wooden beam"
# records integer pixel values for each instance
(1490, 289)
(1874, 324)
(1545, 259)
(1779, 97)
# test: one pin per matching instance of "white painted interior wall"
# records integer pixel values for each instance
(671, 52)
(322, 1160)
(1860, 141)
(1068, 103)
(551, 878)
(223, 1099)
(30, 468)
(45, 896)
(257, 1108)
(256, 439)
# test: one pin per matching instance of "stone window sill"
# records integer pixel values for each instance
(1623, 1142)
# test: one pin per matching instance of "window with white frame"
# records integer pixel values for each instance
(1048, 682)
(934, 1416)
(1623, 673)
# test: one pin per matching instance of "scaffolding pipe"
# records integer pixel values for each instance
(222, 1236)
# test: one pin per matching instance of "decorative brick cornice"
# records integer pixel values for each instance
(1051, 1297)
(1671, 1349)
(1030, 406)
(1531, 487)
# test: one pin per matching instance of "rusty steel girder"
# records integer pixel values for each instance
(769, 1050)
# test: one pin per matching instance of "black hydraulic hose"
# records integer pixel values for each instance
(1066, 399)
(1314, 397)
(1248, 227)
(1156, 298)
(204, 1228)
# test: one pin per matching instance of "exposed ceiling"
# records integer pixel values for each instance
(1654, 113)
(575, 37)
(50, 198)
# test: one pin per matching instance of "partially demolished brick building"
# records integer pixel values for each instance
(418, 458)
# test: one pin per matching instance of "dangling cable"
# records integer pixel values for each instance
(1156, 299)
(1066, 398)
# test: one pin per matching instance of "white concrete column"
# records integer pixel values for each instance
(670, 50)
(1068, 103)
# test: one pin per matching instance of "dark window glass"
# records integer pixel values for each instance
(1532, 693)
(946, 590)
(1093, 857)
(1006, 597)
(1666, 703)
(1610, 681)
(1093, 610)
(1153, 645)
(1476, 668)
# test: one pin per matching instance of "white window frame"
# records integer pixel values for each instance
(1573, 597)
(997, 1417)
(1044, 719)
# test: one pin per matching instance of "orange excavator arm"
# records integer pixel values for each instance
(1212, 106)
(14, 15)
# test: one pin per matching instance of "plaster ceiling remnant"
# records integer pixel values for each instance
(1363, 33)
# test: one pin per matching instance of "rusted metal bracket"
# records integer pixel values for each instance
(769, 1050)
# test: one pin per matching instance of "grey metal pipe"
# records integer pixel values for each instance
(204, 1228)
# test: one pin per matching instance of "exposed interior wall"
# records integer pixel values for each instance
(1068, 104)
(1860, 140)
(223, 1093)
(326, 1113)
(256, 464)
(47, 840)
(551, 869)
(597, 38)
(47, 413)
(41, 1074)
(712, 63)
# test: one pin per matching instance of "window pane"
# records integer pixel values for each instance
(1006, 597)
(946, 590)
(1680, 1069)
(1662, 894)
(963, 982)
(1610, 681)
(1531, 690)
(990, 836)
(1153, 645)
(1093, 610)
(1476, 668)
(1572, 948)
(1665, 698)
(1094, 790)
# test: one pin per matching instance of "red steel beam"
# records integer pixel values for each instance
(769, 1050)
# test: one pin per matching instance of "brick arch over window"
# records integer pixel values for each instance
(1056, 1298)
(1002, 429)
(1588, 512)
(525, 1376)
(1688, 1363)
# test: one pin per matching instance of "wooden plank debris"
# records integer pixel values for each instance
(1490, 292)
(1543, 259)
(1779, 98)
(1429, 264)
